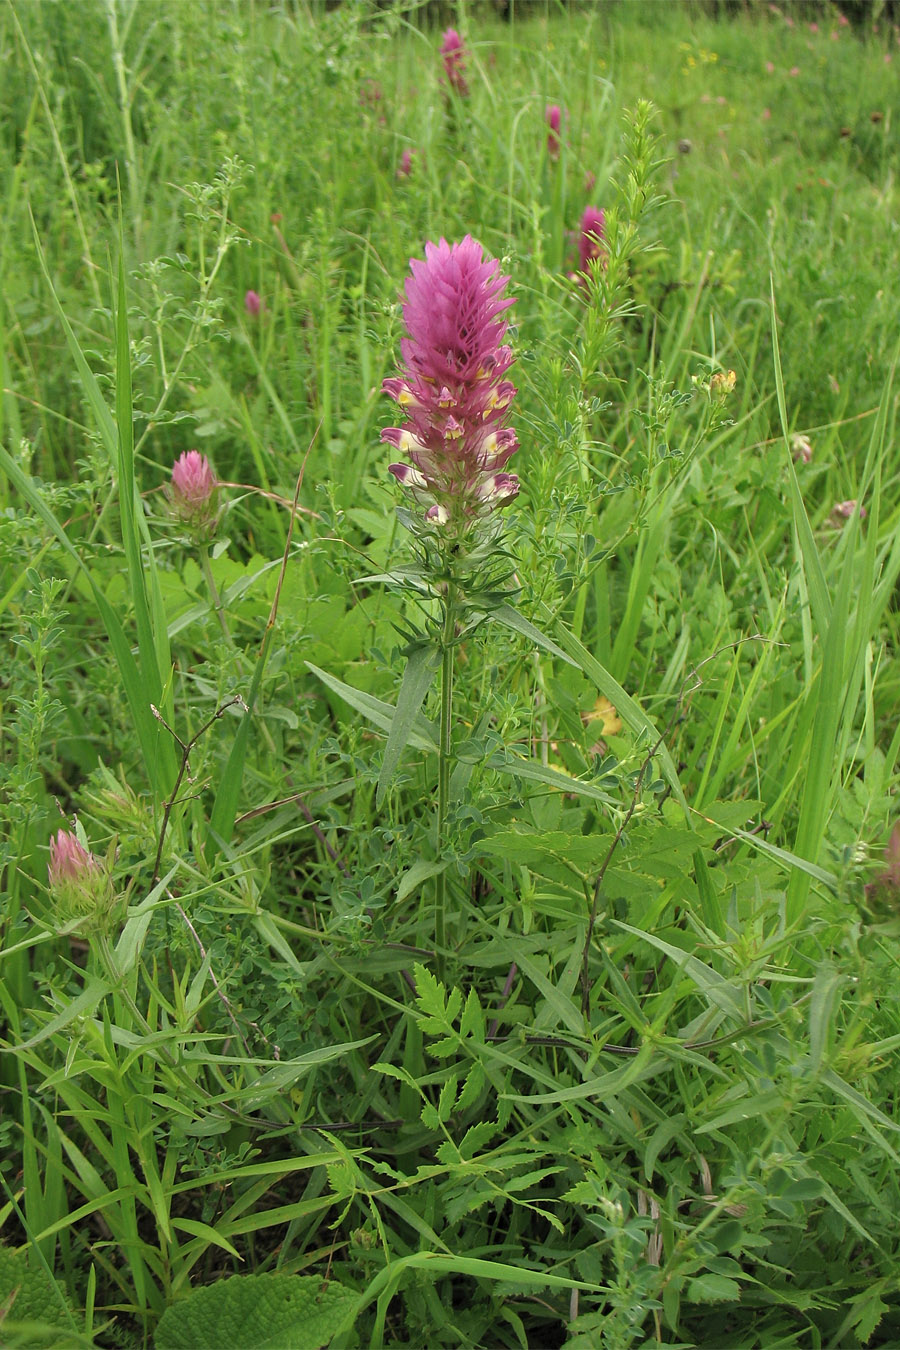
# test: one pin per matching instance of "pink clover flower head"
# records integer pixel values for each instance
(453, 53)
(404, 168)
(253, 304)
(553, 117)
(193, 489)
(590, 238)
(69, 860)
(801, 449)
(79, 883)
(842, 511)
(453, 388)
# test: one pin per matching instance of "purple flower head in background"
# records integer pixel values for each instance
(553, 118)
(252, 304)
(454, 57)
(842, 511)
(404, 168)
(453, 388)
(590, 238)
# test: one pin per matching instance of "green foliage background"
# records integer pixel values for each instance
(650, 1099)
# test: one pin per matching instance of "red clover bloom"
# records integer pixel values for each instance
(454, 57)
(79, 884)
(253, 304)
(453, 389)
(192, 491)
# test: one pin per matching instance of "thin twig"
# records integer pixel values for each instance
(186, 748)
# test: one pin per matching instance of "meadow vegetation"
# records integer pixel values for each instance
(426, 939)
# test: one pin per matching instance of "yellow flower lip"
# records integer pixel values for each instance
(604, 713)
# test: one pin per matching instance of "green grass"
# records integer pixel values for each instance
(603, 1050)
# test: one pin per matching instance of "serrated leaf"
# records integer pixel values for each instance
(430, 1117)
(471, 1024)
(476, 1137)
(257, 1312)
(472, 1088)
(447, 1099)
(31, 1295)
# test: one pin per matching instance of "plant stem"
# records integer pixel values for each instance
(214, 592)
(440, 881)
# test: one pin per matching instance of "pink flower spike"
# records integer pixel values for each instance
(590, 239)
(770, 67)
(453, 387)
(404, 168)
(252, 304)
(454, 54)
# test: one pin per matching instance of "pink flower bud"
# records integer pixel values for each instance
(253, 304)
(80, 886)
(69, 860)
(192, 490)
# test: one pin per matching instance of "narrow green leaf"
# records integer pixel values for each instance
(509, 617)
(423, 734)
(421, 870)
(631, 713)
(819, 598)
(532, 770)
(418, 678)
(710, 983)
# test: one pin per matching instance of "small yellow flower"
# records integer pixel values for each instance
(604, 713)
(722, 384)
